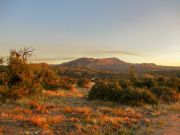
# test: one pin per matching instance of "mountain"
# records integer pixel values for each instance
(114, 64)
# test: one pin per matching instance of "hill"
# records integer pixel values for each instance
(114, 65)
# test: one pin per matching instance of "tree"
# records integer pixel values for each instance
(1, 60)
(132, 75)
(22, 80)
(18, 67)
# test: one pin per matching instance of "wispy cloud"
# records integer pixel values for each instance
(54, 59)
(94, 52)
(120, 52)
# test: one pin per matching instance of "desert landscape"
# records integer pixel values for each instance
(88, 67)
(75, 98)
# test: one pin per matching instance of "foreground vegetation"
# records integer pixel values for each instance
(67, 112)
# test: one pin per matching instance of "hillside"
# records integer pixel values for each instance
(114, 64)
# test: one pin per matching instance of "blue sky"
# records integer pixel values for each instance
(137, 31)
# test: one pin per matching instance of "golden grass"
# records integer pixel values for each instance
(122, 112)
(78, 110)
(74, 119)
(83, 110)
(55, 119)
(104, 119)
(174, 107)
(4, 115)
(45, 121)
(72, 93)
(38, 107)
(1, 130)
(39, 121)
(97, 117)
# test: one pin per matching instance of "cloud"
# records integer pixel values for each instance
(54, 59)
(92, 52)
(120, 52)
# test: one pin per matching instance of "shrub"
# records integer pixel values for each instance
(3, 90)
(173, 82)
(112, 91)
(165, 93)
(104, 90)
(137, 96)
(125, 84)
(46, 76)
(84, 83)
(145, 82)
(65, 83)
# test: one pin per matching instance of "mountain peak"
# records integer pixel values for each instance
(112, 64)
(102, 64)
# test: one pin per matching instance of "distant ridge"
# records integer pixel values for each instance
(114, 64)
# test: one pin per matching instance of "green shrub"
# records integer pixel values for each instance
(125, 84)
(112, 91)
(145, 83)
(131, 96)
(3, 91)
(165, 93)
(103, 90)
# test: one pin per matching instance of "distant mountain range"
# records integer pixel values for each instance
(114, 65)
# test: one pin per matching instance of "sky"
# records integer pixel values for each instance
(136, 31)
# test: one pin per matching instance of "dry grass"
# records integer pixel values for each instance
(55, 119)
(38, 107)
(45, 121)
(1, 130)
(71, 93)
(174, 107)
(39, 121)
(67, 112)
(78, 110)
